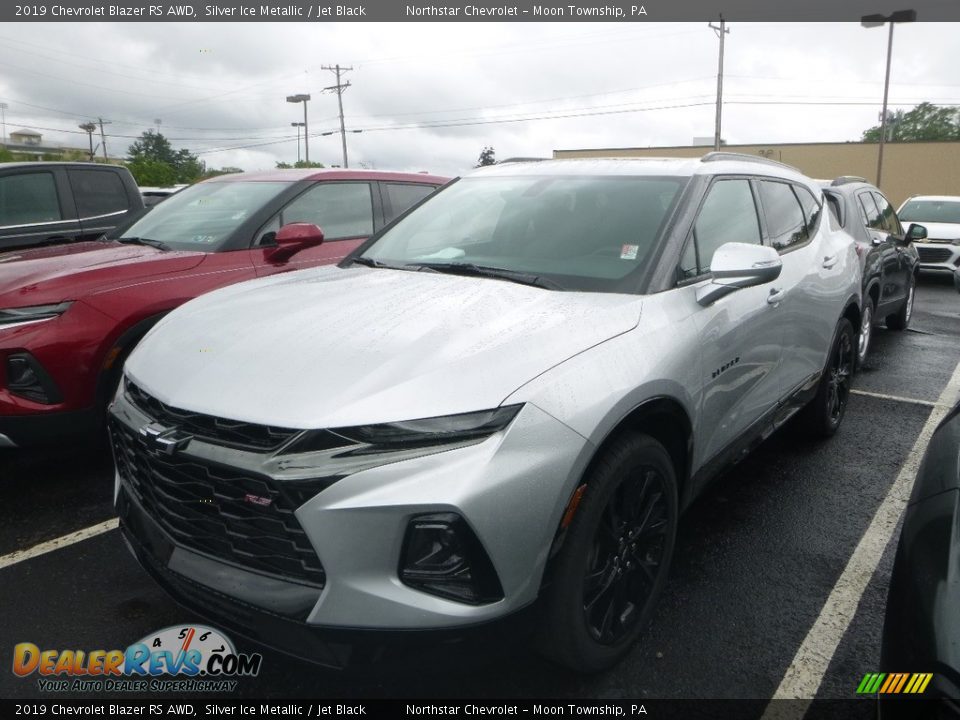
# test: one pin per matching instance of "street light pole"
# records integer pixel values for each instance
(306, 142)
(89, 128)
(3, 120)
(869, 21)
(298, 125)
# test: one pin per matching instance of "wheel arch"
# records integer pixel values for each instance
(112, 362)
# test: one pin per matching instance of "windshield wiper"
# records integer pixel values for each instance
(471, 269)
(370, 262)
(144, 241)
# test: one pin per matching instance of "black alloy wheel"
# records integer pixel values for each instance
(615, 556)
(822, 417)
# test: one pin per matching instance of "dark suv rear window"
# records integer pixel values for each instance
(98, 192)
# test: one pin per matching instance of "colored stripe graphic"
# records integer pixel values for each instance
(894, 683)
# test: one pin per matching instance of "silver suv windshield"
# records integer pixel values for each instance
(941, 211)
(202, 217)
(572, 233)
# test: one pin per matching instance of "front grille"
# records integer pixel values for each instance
(215, 430)
(219, 511)
(934, 255)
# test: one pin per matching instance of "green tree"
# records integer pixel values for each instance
(5, 155)
(925, 122)
(152, 173)
(299, 164)
(487, 157)
(153, 146)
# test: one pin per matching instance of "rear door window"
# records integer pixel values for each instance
(29, 198)
(871, 215)
(402, 196)
(98, 193)
(786, 224)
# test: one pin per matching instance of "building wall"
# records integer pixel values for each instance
(921, 168)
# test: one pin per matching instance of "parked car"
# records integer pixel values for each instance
(921, 630)
(46, 203)
(506, 397)
(887, 256)
(70, 314)
(152, 195)
(941, 216)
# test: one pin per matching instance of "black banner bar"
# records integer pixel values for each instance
(461, 11)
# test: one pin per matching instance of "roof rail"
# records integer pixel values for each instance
(844, 179)
(719, 155)
(521, 159)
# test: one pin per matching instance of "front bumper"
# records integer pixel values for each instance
(511, 489)
(944, 257)
(36, 430)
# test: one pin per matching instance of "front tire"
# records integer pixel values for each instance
(901, 319)
(865, 334)
(822, 417)
(615, 557)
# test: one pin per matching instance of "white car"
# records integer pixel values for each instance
(940, 214)
(498, 405)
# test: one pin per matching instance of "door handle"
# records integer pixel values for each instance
(829, 262)
(775, 296)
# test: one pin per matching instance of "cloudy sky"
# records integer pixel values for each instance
(431, 96)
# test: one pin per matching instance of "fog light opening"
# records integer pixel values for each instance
(442, 556)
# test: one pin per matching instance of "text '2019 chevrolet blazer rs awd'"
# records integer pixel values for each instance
(505, 398)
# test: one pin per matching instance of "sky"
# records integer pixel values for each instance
(431, 96)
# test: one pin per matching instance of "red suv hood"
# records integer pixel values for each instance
(68, 272)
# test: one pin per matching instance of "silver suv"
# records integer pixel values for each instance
(501, 402)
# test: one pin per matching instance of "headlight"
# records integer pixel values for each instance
(338, 452)
(435, 431)
(19, 316)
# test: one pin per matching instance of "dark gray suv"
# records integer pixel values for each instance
(46, 203)
(889, 260)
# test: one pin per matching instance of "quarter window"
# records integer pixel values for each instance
(98, 192)
(341, 210)
(28, 198)
(729, 214)
(786, 224)
(811, 208)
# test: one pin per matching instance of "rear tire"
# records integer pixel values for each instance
(901, 319)
(822, 417)
(615, 557)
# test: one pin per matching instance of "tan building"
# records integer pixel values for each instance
(915, 168)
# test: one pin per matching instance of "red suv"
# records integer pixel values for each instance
(70, 314)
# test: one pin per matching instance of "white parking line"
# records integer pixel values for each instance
(895, 398)
(805, 674)
(57, 543)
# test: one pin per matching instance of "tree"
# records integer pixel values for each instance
(153, 146)
(152, 173)
(299, 164)
(925, 122)
(5, 155)
(487, 157)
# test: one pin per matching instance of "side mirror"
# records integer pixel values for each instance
(292, 238)
(915, 232)
(739, 265)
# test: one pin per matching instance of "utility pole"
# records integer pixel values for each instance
(339, 88)
(3, 120)
(157, 122)
(103, 138)
(721, 31)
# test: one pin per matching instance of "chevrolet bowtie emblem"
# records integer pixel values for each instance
(163, 440)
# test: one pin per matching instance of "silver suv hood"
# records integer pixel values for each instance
(330, 347)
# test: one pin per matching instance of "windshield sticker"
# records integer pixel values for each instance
(629, 252)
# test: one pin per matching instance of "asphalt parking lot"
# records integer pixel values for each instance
(757, 558)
